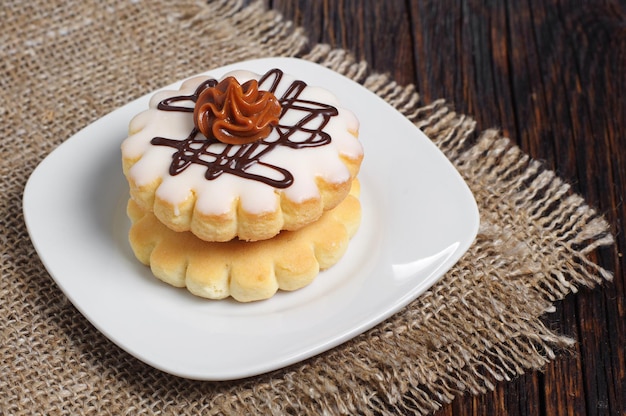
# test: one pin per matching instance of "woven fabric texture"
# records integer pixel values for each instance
(64, 66)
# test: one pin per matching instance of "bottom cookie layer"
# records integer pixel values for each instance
(247, 271)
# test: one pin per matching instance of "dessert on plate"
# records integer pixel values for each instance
(243, 185)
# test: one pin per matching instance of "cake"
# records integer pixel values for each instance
(246, 271)
(242, 186)
(194, 181)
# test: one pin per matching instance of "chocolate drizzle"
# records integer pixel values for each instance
(166, 104)
(245, 160)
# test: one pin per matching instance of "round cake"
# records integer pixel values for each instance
(246, 271)
(245, 156)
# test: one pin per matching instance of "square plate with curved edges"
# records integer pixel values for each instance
(419, 217)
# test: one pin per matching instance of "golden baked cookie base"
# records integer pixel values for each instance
(246, 271)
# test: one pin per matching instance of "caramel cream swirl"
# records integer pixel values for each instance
(234, 113)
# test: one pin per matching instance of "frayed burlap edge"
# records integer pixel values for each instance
(465, 334)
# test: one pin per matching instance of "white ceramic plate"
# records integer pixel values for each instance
(419, 217)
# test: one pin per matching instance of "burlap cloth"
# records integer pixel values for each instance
(64, 66)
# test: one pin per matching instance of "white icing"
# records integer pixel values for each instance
(217, 195)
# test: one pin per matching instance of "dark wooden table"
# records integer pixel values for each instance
(551, 75)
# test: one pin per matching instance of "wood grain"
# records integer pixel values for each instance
(550, 75)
